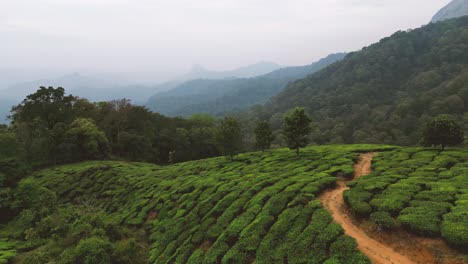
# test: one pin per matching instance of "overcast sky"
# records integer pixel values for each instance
(171, 35)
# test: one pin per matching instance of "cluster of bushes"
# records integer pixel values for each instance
(7, 251)
(423, 191)
(260, 207)
(50, 231)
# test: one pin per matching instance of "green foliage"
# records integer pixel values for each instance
(229, 137)
(263, 135)
(296, 129)
(48, 105)
(133, 132)
(383, 220)
(7, 251)
(93, 250)
(444, 131)
(87, 141)
(386, 92)
(424, 190)
(8, 145)
(262, 206)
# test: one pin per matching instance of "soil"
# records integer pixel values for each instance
(384, 248)
(333, 201)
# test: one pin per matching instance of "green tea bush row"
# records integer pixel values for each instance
(424, 191)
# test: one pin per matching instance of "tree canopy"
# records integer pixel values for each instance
(444, 131)
(296, 129)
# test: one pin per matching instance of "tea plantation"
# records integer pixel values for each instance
(424, 191)
(261, 208)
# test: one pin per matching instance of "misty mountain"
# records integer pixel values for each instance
(456, 8)
(94, 89)
(260, 68)
(219, 97)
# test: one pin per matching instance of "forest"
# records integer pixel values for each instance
(383, 93)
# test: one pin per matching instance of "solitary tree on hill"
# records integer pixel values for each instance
(263, 135)
(229, 137)
(296, 129)
(442, 130)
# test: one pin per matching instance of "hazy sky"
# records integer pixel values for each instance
(171, 35)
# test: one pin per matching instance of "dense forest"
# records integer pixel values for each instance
(385, 92)
(221, 97)
(51, 127)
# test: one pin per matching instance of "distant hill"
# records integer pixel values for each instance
(94, 89)
(219, 97)
(456, 8)
(387, 91)
(260, 68)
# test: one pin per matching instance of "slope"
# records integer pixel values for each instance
(456, 8)
(219, 97)
(387, 91)
(261, 207)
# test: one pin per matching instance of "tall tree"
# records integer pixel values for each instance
(444, 131)
(229, 137)
(87, 140)
(296, 129)
(263, 135)
(49, 105)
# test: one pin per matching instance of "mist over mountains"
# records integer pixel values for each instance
(456, 8)
(100, 87)
(220, 97)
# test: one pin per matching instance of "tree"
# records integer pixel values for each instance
(49, 105)
(296, 128)
(442, 130)
(263, 135)
(7, 143)
(87, 141)
(228, 137)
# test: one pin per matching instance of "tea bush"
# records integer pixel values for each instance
(425, 190)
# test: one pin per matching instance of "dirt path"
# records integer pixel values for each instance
(333, 201)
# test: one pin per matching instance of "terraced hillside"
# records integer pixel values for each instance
(425, 191)
(261, 208)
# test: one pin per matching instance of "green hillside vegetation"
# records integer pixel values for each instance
(220, 97)
(385, 92)
(260, 207)
(424, 191)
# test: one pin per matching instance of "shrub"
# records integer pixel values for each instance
(383, 220)
(92, 250)
(421, 220)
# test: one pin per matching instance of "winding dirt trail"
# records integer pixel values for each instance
(333, 201)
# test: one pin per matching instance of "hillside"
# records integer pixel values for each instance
(456, 8)
(5, 106)
(260, 208)
(387, 91)
(259, 68)
(219, 97)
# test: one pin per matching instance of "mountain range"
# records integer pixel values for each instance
(104, 88)
(220, 97)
